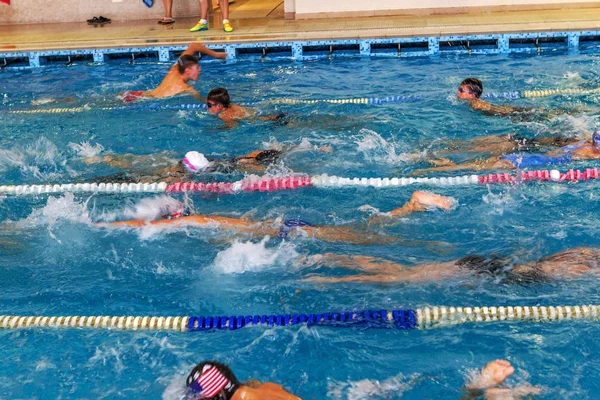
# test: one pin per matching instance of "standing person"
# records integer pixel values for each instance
(168, 18)
(202, 25)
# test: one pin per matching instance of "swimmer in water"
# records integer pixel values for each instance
(488, 381)
(219, 103)
(471, 89)
(419, 202)
(176, 81)
(568, 264)
(214, 380)
(580, 151)
(164, 167)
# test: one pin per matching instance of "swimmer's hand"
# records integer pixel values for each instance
(42, 101)
(325, 149)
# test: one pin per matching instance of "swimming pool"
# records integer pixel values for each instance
(59, 263)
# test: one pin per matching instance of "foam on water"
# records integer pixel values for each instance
(248, 256)
(376, 149)
(154, 208)
(42, 160)
(392, 387)
(86, 149)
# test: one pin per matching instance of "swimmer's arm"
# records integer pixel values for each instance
(195, 48)
(195, 94)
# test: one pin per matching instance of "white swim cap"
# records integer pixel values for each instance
(195, 162)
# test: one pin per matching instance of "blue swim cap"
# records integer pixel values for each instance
(596, 138)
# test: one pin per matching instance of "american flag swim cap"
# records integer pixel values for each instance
(209, 382)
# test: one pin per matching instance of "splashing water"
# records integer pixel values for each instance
(392, 387)
(376, 149)
(155, 208)
(42, 159)
(252, 257)
(85, 149)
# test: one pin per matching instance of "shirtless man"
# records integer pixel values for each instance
(419, 202)
(471, 89)
(176, 81)
(569, 264)
(214, 380)
(219, 103)
(580, 151)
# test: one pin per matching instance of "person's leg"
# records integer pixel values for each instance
(224, 4)
(202, 25)
(168, 9)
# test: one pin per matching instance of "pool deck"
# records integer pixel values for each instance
(38, 37)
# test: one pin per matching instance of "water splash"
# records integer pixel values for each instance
(392, 387)
(154, 208)
(86, 149)
(376, 149)
(42, 159)
(253, 257)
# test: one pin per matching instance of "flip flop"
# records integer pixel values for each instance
(94, 20)
(166, 21)
(103, 20)
(148, 3)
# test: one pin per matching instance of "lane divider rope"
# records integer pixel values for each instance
(360, 100)
(255, 183)
(420, 318)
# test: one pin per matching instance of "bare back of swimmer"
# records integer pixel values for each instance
(568, 264)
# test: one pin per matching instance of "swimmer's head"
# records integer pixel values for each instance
(596, 139)
(188, 67)
(470, 89)
(217, 100)
(212, 380)
(195, 162)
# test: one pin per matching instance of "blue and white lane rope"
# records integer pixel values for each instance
(361, 100)
(420, 318)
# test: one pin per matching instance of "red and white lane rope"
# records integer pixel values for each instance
(254, 183)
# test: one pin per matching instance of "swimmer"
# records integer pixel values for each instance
(214, 380)
(219, 103)
(487, 383)
(164, 167)
(568, 264)
(471, 89)
(419, 202)
(580, 151)
(498, 145)
(176, 81)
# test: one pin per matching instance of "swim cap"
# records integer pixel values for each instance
(195, 162)
(596, 138)
(207, 381)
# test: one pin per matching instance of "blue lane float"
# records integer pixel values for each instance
(404, 319)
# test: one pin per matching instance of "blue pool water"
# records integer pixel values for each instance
(56, 261)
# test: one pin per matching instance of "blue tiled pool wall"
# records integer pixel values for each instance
(534, 42)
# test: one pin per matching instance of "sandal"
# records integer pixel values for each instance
(103, 20)
(166, 21)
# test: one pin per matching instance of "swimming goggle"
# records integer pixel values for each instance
(210, 105)
(596, 138)
(461, 90)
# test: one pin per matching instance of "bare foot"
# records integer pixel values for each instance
(493, 374)
(427, 200)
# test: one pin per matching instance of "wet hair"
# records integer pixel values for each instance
(219, 95)
(186, 61)
(500, 267)
(474, 86)
(268, 156)
(229, 390)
